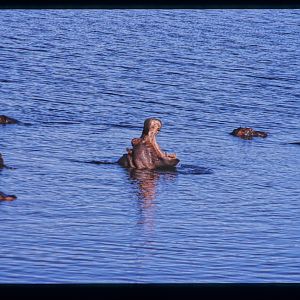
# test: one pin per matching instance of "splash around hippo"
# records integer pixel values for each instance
(248, 133)
(146, 153)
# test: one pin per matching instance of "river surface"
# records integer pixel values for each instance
(83, 82)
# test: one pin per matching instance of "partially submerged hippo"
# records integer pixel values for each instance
(7, 120)
(146, 153)
(248, 133)
(4, 197)
(2, 165)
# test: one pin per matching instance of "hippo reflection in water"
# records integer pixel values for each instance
(248, 133)
(7, 120)
(146, 153)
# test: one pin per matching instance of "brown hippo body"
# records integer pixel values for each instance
(4, 197)
(7, 120)
(146, 153)
(248, 133)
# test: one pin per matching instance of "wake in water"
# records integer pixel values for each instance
(295, 143)
(181, 169)
(193, 170)
(101, 162)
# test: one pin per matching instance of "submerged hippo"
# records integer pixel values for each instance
(4, 197)
(7, 120)
(2, 165)
(248, 133)
(146, 153)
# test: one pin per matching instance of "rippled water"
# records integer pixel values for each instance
(84, 81)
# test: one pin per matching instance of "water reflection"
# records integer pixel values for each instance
(147, 181)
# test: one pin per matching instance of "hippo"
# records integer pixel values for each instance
(248, 133)
(2, 165)
(4, 197)
(146, 153)
(7, 120)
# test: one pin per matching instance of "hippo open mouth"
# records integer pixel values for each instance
(146, 153)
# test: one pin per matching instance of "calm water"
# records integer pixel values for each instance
(85, 80)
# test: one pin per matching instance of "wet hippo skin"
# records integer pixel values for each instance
(248, 133)
(146, 153)
(7, 120)
(4, 197)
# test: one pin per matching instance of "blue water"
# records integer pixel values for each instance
(84, 81)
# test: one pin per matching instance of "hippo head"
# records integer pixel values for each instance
(152, 127)
(248, 133)
(244, 133)
(4, 197)
(7, 120)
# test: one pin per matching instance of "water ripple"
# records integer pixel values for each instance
(85, 80)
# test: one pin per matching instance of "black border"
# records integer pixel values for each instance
(163, 291)
(147, 4)
(116, 290)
